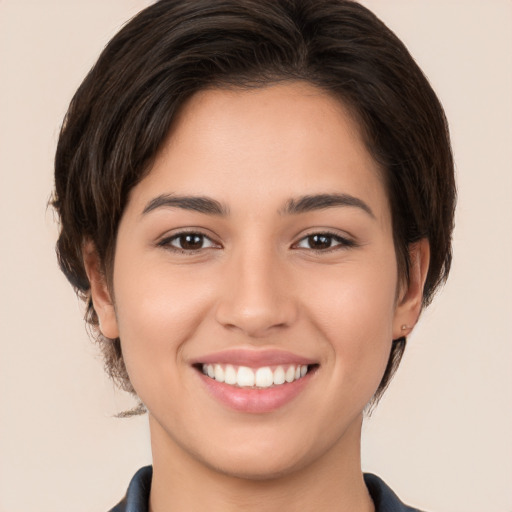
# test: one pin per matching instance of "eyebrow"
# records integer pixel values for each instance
(199, 204)
(294, 206)
(310, 203)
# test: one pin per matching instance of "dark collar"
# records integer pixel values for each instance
(137, 496)
(383, 497)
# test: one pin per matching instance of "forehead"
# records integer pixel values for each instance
(266, 144)
(278, 117)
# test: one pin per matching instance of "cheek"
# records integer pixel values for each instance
(353, 307)
(157, 312)
(359, 297)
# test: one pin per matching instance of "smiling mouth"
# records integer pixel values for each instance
(257, 378)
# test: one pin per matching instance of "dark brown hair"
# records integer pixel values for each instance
(122, 112)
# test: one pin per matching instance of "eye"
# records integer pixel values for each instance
(323, 242)
(187, 242)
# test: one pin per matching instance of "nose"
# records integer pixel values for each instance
(257, 296)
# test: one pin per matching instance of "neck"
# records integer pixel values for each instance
(333, 482)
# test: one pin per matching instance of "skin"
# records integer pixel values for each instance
(258, 282)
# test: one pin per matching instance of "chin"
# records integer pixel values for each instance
(258, 468)
(266, 458)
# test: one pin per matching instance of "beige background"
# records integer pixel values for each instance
(442, 435)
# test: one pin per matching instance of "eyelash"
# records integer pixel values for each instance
(167, 242)
(341, 242)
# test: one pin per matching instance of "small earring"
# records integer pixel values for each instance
(404, 327)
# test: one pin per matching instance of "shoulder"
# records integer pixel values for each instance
(384, 498)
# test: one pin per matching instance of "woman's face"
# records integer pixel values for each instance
(258, 248)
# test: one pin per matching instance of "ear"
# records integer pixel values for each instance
(411, 294)
(100, 294)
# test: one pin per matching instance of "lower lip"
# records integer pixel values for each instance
(255, 400)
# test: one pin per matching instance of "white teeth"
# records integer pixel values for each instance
(279, 375)
(230, 375)
(219, 373)
(245, 377)
(264, 377)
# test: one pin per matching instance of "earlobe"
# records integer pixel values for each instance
(100, 294)
(410, 301)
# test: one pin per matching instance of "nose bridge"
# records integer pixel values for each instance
(255, 298)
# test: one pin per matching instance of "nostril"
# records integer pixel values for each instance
(255, 321)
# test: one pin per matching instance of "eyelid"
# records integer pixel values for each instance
(344, 241)
(165, 240)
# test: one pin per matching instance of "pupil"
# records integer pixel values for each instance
(191, 241)
(319, 241)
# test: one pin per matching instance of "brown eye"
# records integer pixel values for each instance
(324, 242)
(187, 242)
(319, 241)
(190, 242)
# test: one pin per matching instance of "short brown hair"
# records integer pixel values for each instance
(122, 112)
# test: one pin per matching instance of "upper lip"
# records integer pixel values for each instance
(254, 358)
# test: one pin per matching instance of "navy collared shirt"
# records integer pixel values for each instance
(137, 496)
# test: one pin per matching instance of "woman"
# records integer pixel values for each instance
(256, 201)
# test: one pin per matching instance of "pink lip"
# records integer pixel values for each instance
(254, 400)
(253, 358)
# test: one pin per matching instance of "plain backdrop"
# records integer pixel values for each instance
(441, 437)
